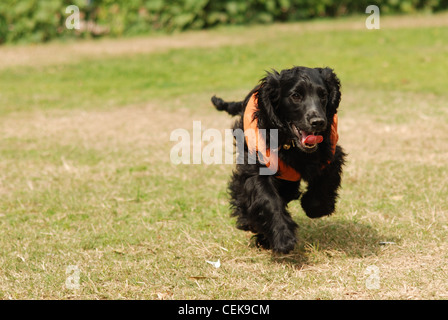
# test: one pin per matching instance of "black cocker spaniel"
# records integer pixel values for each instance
(297, 108)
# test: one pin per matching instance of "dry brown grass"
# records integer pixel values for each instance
(413, 267)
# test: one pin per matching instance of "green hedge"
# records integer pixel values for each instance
(42, 20)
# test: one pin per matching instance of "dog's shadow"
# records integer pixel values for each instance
(332, 236)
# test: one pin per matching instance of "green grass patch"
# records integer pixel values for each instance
(411, 60)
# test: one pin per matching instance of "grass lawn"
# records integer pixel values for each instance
(86, 181)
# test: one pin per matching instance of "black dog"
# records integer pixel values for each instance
(301, 103)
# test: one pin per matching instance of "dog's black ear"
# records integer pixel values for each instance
(269, 99)
(334, 88)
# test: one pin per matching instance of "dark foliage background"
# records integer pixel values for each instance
(42, 20)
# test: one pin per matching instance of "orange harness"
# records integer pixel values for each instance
(256, 143)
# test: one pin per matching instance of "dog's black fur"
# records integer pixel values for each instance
(307, 98)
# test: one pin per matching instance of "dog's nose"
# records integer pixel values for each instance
(317, 123)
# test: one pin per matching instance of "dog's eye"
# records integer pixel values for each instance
(322, 97)
(296, 96)
(322, 94)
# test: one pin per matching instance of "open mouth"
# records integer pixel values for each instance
(307, 140)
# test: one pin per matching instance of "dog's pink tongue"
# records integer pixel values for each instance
(310, 139)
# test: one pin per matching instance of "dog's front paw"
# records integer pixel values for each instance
(284, 242)
(315, 207)
(261, 241)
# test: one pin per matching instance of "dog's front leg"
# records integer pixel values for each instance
(267, 211)
(321, 195)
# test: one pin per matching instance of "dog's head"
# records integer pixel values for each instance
(301, 103)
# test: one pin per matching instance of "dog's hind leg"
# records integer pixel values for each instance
(238, 201)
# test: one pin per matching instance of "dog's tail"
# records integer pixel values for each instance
(233, 108)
